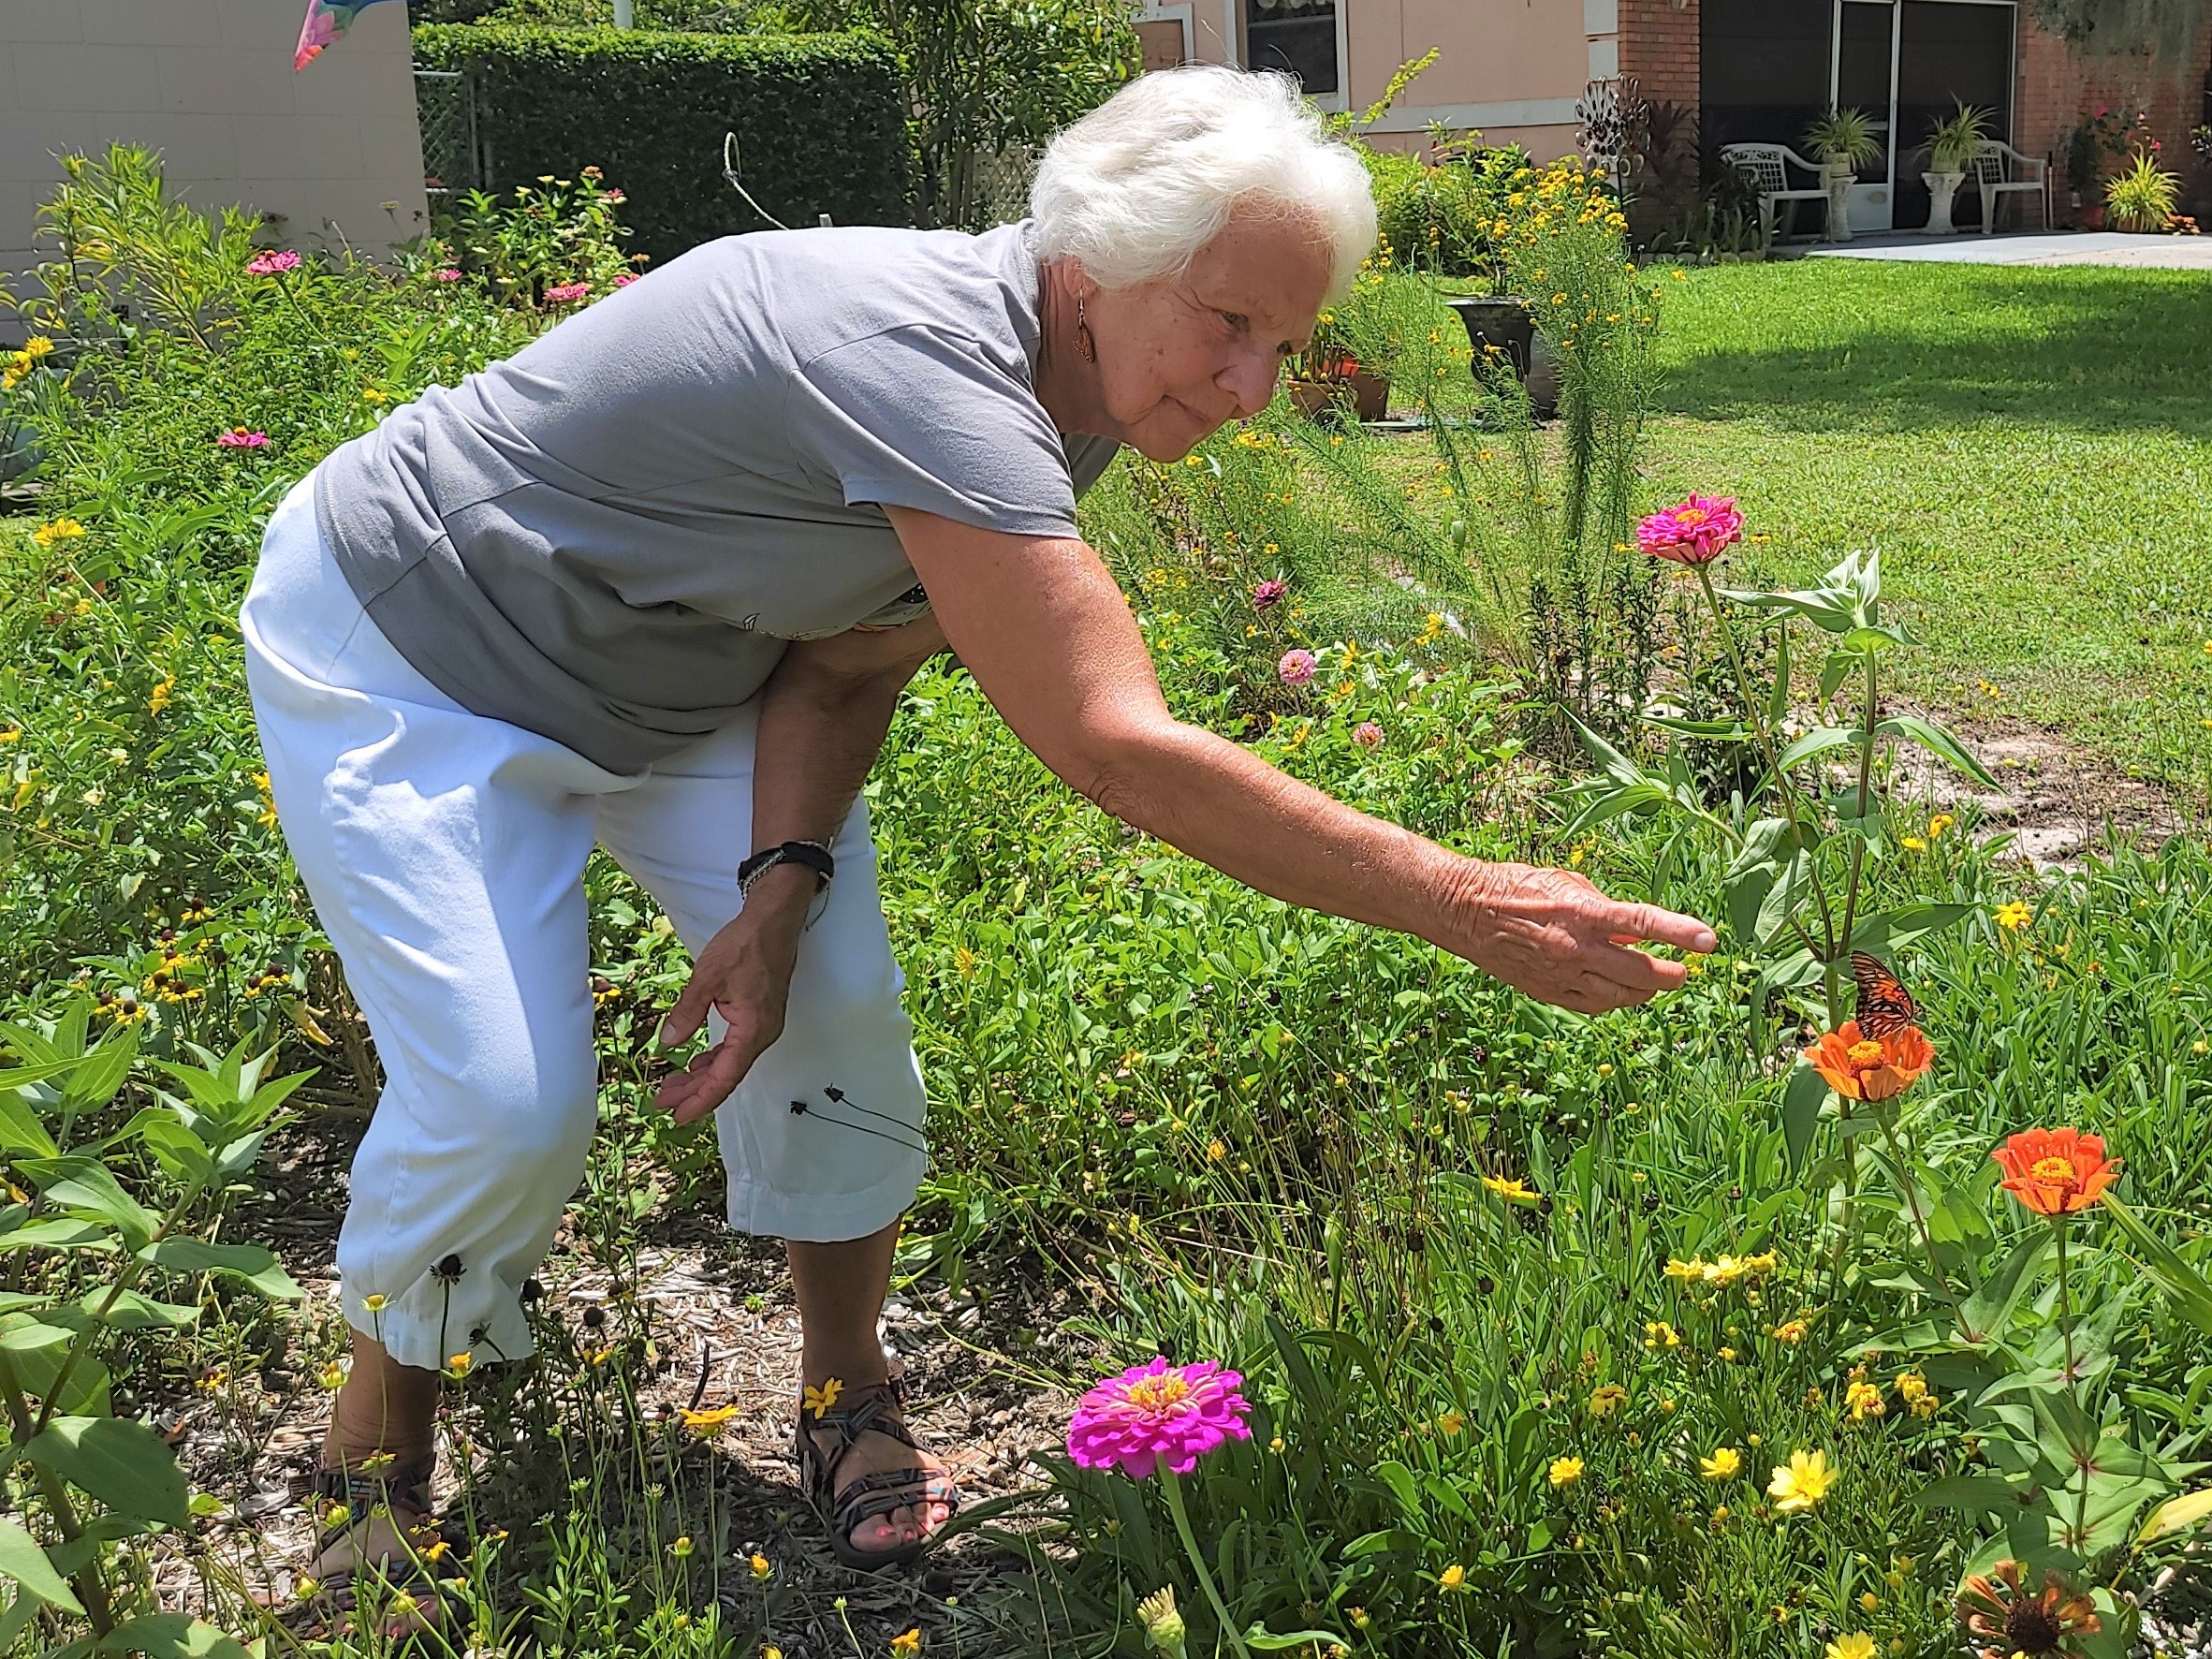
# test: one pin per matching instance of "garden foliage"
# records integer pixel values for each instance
(1552, 1335)
(820, 122)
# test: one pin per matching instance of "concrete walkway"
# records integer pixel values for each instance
(2030, 247)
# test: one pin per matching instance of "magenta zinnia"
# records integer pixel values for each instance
(272, 262)
(1268, 593)
(1158, 1413)
(562, 293)
(237, 437)
(1697, 532)
(1297, 668)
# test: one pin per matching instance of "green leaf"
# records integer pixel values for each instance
(101, 1073)
(22, 1559)
(23, 1077)
(1801, 1110)
(19, 1129)
(1829, 611)
(254, 1263)
(57, 1235)
(1989, 1309)
(1792, 884)
(1972, 1494)
(125, 1466)
(28, 1335)
(171, 1635)
(1940, 743)
(85, 1186)
(1258, 1636)
(1888, 932)
(1819, 742)
(132, 1311)
(2186, 1290)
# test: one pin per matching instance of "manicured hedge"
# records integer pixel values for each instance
(820, 121)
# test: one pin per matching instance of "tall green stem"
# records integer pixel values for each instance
(1912, 1187)
(1791, 803)
(1858, 842)
(2073, 1387)
(1173, 1487)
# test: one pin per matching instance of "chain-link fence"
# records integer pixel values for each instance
(452, 155)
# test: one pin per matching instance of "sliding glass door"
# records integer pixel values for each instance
(1771, 66)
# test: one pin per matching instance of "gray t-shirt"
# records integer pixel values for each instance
(609, 537)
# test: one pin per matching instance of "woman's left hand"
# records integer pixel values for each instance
(745, 975)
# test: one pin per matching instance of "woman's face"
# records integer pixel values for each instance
(1181, 357)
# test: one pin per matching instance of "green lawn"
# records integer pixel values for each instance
(2031, 450)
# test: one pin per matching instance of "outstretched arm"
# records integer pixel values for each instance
(1046, 633)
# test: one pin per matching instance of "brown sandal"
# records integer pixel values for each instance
(871, 1408)
(337, 1595)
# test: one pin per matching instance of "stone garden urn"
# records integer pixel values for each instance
(1838, 177)
(1942, 191)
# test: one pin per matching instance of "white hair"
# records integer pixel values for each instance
(1137, 186)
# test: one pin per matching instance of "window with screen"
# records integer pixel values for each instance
(1766, 69)
(1297, 37)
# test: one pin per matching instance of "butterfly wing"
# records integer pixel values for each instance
(1884, 1008)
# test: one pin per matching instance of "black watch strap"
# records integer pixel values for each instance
(812, 854)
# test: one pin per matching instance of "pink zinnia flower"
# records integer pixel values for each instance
(272, 262)
(238, 438)
(1696, 532)
(561, 293)
(1268, 593)
(612, 193)
(1297, 668)
(450, 274)
(624, 280)
(1158, 1413)
(1368, 735)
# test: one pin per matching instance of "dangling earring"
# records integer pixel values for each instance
(1084, 342)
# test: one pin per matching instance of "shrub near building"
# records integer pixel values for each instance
(819, 119)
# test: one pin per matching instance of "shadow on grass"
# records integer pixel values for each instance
(1837, 345)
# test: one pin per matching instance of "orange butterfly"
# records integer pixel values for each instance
(1885, 1008)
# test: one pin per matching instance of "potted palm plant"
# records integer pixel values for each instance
(1842, 141)
(1951, 146)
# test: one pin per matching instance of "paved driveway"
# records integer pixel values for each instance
(2034, 248)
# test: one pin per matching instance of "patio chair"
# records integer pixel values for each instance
(1999, 171)
(1767, 166)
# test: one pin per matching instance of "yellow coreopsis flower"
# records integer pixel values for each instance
(1802, 1482)
(1852, 1644)
(1564, 1472)
(1864, 1401)
(159, 700)
(1512, 1189)
(1453, 1578)
(822, 1401)
(2013, 916)
(708, 1423)
(907, 1643)
(61, 530)
(1607, 1399)
(1725, 1464)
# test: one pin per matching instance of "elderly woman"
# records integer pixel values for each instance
(655, 583)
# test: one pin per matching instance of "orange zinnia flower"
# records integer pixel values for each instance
(1860, 1068)
(2056, 1171)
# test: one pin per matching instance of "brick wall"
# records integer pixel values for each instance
(2058, 85)
(210, 82)
(1659, 47)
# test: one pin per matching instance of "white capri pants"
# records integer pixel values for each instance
(444, 855)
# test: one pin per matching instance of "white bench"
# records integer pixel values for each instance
(1767, 166)
(1999, 171)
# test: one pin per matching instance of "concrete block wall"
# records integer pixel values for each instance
(210, 82)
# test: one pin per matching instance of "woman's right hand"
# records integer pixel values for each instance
(1554, 935)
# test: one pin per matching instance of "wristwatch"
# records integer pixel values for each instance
(812, 854)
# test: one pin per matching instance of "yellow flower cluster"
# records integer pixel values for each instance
(21, 364)
(1726, 1271)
